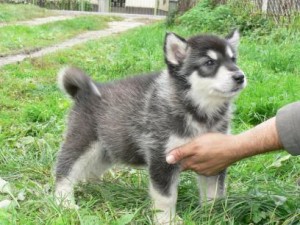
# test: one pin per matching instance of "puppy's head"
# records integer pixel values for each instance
(206, 63)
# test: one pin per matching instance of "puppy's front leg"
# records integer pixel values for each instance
(163, 190)
(211, 187)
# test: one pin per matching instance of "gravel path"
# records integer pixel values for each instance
(114, 27)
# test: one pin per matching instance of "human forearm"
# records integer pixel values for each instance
(211, 153)
(260, 139)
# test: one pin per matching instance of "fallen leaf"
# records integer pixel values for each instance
(279, 200)
(21, 195)
(5, 204)
(4, 186)
(278, 162)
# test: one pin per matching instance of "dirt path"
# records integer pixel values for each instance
(67, 14)
(114, 28)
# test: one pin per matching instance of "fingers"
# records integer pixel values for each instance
(209, 171)
(179, 153)
(206, 168)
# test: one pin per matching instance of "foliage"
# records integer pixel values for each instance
(185, 5)
(171, 17)
(206, 17)
(11, 12)
(82, 5)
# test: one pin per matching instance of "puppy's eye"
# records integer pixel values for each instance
(210, 63)
(233, 59)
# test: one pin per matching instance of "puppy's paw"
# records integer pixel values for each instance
(65, 199)
(162, 220)
(66, 203)
(178, 220)
(64, 195)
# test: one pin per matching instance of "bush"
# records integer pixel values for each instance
(206, 17)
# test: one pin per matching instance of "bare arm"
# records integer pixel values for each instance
(260, 139)
(213, 152)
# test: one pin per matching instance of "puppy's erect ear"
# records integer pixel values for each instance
(175, 48)
(234, 39)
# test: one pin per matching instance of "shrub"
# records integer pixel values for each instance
(206, 17)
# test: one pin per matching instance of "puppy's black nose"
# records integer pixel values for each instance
(239, 78)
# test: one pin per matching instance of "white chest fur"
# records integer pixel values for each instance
(175, 141)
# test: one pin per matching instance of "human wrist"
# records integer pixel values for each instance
(237, 148)
(260, 139)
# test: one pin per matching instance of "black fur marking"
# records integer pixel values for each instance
(199, 46)
(75, 80)
(221, 180)
(162, 174)
(203, 118)
(224, 127)
(202, 43)
(133, 157)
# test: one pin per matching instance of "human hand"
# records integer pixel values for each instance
(213, 152)
(207, 155)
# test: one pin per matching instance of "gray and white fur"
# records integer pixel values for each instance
(138, 120)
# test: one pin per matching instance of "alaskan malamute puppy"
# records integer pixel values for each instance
(137, 121)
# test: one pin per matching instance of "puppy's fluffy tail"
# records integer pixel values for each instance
(72, 80)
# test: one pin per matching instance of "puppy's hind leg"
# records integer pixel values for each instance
(90, 165)
(67, 174)
(80, 155)
(70, 169)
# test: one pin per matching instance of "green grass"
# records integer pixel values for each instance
(15, 12)
(32, 123)
(22, 38)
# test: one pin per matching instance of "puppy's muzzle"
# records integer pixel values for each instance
(239, 77)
